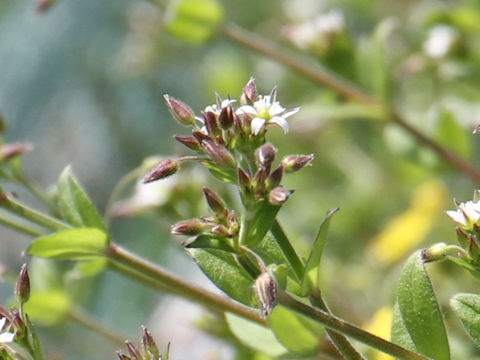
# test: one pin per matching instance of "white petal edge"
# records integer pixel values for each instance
(290, 112)
(6, 337)
(257, 125)
(457, 216)
(280, 121)
(246, 109)
(276, 109)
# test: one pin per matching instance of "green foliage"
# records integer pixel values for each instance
(467, 308)
(49, 307)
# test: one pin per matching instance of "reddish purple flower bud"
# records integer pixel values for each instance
(122, 356)
(249, 93)
(219, 154)
(164, 169)
(243, 179)
(148, 343)
(214, 201)
(132, 349)
(226, 118)
(211, 124)
(8, 151)
(232, 222)
(278, 196)
(180, 111)
(22, 289)
(189, 142)
(274, 178)
(265, 154)
(292, 163)
(200, 136)
(265, 288)
(221, 231)
(260, 177)
(188, 227)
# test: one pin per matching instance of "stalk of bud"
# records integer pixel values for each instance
(265, 288)
(292, 163)
(249, 93)
(22, 289)
(189, 142)
(188, 227)
(214, 201)
(226, 118)
(219, 154)
(180, 111)
(164, 169)
(278, 196)
(265, 154)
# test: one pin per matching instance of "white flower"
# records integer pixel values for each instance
(217, 108)
(5, 337)
(267, 110)
(467, 215)
(440, 41)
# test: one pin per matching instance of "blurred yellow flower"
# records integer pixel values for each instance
(380, 325)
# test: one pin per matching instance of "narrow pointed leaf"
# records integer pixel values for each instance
(467, 308)
(79, 243)
(75, 205)
(420, 311)
(223, 270)
(313, 262)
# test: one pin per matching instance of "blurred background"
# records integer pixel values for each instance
(83, 82)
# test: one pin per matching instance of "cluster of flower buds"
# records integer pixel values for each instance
(223, 224)
(467, 218)
(149, 350)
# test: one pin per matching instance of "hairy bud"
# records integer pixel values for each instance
(188, 227)
(292, 163)
(435, 252)
(219, 154)
(249, 93)
(265, 154)
(278, 196)
(220, 231)
(211, 124)
(180, 111)
(265, 288)
(22, 289)
(189, 142)
(148, 344)
(164, 169)
(274, 178)
(214, 201)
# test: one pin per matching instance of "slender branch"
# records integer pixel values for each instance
(23, 228)
(323, 76)
(287, 249)
(341, 342)
(90, 323)
(341, 326)
(187, 290)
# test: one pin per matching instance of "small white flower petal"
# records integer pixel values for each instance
(246, 109)
(280, 121)
(227, 102)
(276, 109)
(257, 125)
(290, 112)
(6, 337)
(458, 217)
(2, 322)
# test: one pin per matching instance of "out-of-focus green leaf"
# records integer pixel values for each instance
(220, 174)
(48, 308)
(269, 251)
(453, 136)
(259, 222)
(193, 21)
(78, 243)
(419, 310)
(223, 270)
(399, 333)
(88, 268)
(467, 308)
(74, 204)
(292, 333)
(209, 242)
(255, 336)
(313, 262)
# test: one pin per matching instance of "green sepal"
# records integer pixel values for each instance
(209, 242)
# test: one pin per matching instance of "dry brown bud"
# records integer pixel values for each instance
(180, 111)
(249, 93)
(292, 163)
(214, 201)
(22, 289)
(164, 169)
(189, 142)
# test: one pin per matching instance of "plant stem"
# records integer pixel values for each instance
(287, 249)
(323, 76)
(341, 342)
(90, 323)
(28, 213)
(119, 255)
(23, 228)
(341, 326)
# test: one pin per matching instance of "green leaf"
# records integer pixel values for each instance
(209, 242)
(75, 205)
(291, 331)
(88, 268)
(223, 270)
(255, 336)
(79, 243)
(453, 136)
(193, 21)
(420, 311)
(313, 262)
(399, 333)
(48, 308)
(225, 175)
(467, 308)
(259, 221)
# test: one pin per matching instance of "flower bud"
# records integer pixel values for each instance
(214, 201)
(220, 231)
(8, 151)
(278, 196)
(132, 349)
(18, 323)
(435, 252)
(292, 163)
(189, 142)
(164, 169)
(211, 124)
(123, 356)
(274, 178)
(265, 288)
(200, 136)
(226, 117)
(243, 179)
(249, 93)
(219, 154)
(149, 346)
(188, 227)
(180, 111)
(22, 289)
(265, 154)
